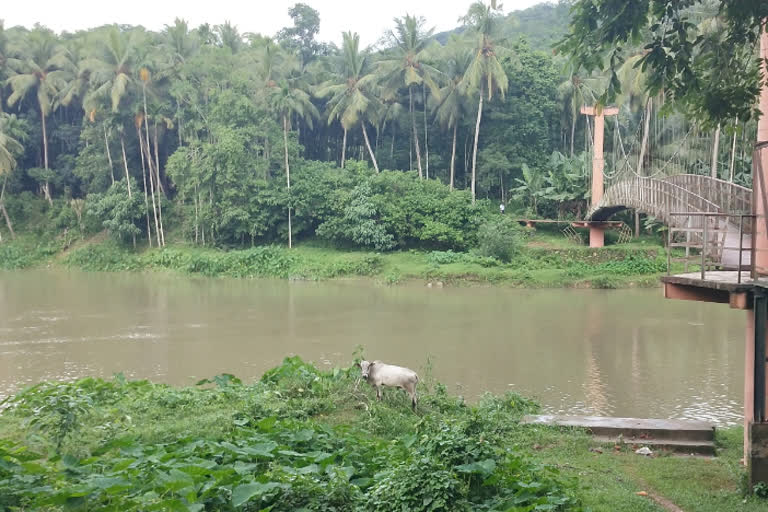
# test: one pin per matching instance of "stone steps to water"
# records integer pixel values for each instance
(680, 436)
(677, 446)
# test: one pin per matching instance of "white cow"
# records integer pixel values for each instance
(381, 374)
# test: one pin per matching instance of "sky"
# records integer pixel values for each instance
(370, 18)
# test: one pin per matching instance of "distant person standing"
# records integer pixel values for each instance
(501, 207)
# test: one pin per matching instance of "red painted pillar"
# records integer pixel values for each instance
(597, 234)
(760, 179)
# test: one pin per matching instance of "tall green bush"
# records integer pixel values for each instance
(501, 238)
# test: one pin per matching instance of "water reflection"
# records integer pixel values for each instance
(623, 353)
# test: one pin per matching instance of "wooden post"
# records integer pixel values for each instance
(597, 234)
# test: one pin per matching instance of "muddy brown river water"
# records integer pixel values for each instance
(618, 352)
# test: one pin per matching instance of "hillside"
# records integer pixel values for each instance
(542, 25)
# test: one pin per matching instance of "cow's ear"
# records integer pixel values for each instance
(358, 365)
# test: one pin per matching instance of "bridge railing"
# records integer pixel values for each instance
(728, 196)
(713, 241)
(655, 197)
(678, 193)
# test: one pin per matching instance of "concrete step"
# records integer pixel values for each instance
(638, 429)
(656, 445)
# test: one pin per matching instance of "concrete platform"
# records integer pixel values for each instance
(681, 436)
(726, 280)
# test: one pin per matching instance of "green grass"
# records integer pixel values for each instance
(28, 251)
(610, 480)
(304, 438)
(547, 260)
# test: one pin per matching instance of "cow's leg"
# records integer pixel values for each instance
(378, 392)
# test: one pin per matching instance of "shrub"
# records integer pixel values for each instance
(358, 224)
(501, 238)
(420, 485)
(445, 257)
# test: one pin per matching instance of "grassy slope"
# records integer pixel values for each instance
(608, 481)
(548, 260)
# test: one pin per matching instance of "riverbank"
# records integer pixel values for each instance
(544, 262)
(300, 437)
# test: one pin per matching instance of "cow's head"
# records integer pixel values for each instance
(365, 368)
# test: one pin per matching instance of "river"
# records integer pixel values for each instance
(599, 352)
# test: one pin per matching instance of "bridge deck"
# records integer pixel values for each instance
(727, 280)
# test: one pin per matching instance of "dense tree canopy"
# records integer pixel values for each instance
(713, 73)
(228, 139)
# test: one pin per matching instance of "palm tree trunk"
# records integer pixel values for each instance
(344, 148)
(368, 145)
(160, 191)
(644, 143)
(715, 150)
(150, 164)
(426, 133)
(109, 156)
(733, 151)
(643, 150)
(145, 148)
(415, 133)
(392, 147)
(477, 136)
(149, 161)
(5, 212)
(197, 215)
(288, 178)
(46, 186)
(125, 164)
(466, 159)
(573, 131)
(144, 179)
(453, 153)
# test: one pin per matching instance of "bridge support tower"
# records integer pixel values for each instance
(756, 389)
(751, 296)
(597, 233)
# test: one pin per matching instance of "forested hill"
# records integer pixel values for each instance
(542, 25)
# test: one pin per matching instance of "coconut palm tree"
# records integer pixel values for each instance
(111, 72)
(3, 63)
(456, 58)
(179, 43)
(40, 69)
(112, 66)
(229, 36)
(352, 100)
(406, 66)
(288, 97)
(486, 73)
(9, 149)
(576, 91)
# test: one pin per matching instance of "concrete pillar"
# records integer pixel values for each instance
(756, 434)
(758, 453)
(761, 244)
(749, 379)
(597, 234)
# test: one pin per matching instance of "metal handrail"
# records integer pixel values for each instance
(690, 192)
(653, 196)
(694, 234)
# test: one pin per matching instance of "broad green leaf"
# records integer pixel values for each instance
(244, 493)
